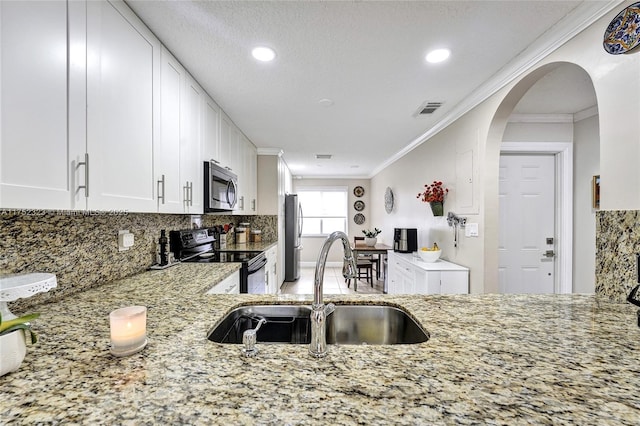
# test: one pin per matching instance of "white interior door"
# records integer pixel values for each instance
(527, 224)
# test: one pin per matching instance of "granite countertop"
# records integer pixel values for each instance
(491, 359)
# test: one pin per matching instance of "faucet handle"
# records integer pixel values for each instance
(329, 308)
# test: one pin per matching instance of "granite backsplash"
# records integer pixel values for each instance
(82, 248)
(617, 244)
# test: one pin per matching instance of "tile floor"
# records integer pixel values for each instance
(333, 284)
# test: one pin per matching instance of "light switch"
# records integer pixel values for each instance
(471, 230)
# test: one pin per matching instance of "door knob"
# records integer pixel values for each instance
(549, 254)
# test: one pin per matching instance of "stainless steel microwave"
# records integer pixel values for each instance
(220, 188)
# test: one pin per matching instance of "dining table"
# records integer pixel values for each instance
(379, 249)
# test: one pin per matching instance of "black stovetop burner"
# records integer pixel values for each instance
(198, 245)
(221, 257)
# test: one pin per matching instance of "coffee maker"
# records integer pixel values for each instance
(405, 240)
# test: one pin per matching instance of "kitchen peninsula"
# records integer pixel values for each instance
(491, 359)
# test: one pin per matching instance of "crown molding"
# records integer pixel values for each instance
(575, 22)
(270, 151)
(540, 118)
(333, 177)
(585, 113)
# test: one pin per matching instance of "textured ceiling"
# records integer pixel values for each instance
(366, 56)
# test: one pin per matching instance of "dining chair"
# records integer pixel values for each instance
(374, 258)
(364, 263)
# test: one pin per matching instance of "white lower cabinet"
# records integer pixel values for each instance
(229, 285)
(273, 286)
(409, 275)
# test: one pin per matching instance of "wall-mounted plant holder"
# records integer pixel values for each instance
(456, 222)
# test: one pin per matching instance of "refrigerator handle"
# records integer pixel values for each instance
(300, 220)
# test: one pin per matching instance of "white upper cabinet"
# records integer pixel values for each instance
(252, 172)
(35, 148)
(191, 168)
(246, 163)
(226, 141)
(167, 161)
(211, 131)
(249, 161)
(96, 114)
(178, 169)
(123, 115)
(238, 152)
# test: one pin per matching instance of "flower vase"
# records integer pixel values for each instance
(437, 208)
(370, 241)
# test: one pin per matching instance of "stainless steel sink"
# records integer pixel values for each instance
(373, 325)
(347, 325)
(285, 324)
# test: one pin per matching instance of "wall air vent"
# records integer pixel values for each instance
(427, 108)
(323, 156)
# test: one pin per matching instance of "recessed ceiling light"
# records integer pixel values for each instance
(264, 54)
(438, 55)
(325, 102)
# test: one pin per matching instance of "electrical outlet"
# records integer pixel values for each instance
(196, 221)
(125, 240)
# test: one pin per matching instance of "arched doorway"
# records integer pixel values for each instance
(554, 103)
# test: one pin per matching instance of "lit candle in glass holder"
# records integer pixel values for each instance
(128, 330)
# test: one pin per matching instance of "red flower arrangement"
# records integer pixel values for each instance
(433, 192)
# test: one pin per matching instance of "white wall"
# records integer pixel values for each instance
(586, 164)
(433, 160)
(614, 77)
(312, 245)
(538, 132)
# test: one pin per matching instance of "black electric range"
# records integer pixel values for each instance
(198, 246)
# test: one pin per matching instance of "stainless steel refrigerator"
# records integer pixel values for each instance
(292, 237)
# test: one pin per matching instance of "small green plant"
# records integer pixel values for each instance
(371, 234)
(21, 323)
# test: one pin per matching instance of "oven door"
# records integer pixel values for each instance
(257, 277)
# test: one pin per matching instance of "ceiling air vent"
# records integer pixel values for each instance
(427, 108)
(323, 156)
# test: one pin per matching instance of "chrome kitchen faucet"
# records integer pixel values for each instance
(319, 312)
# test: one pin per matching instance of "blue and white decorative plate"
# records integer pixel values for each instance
(623, 33)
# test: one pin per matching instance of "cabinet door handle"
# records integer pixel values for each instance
(85, 163)
(253, 205)
(191, 194)
(161, 182)
(185, 194)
